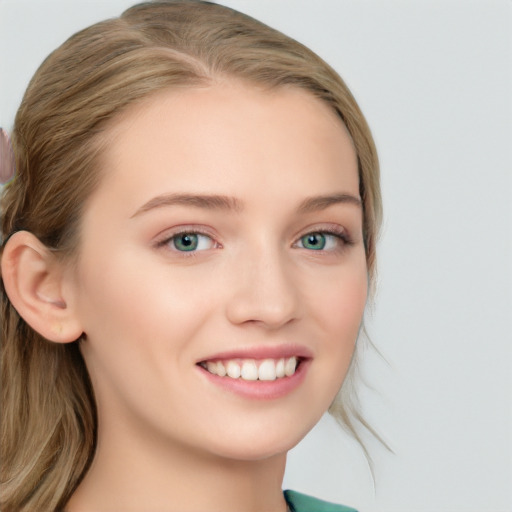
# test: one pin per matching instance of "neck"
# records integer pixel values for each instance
(133, 472)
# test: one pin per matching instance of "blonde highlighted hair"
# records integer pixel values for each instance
(48, 417)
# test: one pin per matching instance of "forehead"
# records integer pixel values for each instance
(230, 138)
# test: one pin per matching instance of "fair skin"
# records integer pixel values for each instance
(277, 270)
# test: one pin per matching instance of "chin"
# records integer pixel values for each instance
(262, 442)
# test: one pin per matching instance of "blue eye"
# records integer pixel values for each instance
(314, 241)
(189, 242)
(322, 241)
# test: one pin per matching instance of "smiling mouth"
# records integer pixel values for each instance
(253, 369)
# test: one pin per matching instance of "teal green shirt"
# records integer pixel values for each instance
(301, 503)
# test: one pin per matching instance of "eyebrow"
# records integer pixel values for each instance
(207, 202)
(316, 203)
(227, 203)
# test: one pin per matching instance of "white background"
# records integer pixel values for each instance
(434, 81)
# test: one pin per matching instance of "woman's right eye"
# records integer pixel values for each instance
(189, 242)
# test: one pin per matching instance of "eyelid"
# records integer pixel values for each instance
(333, 230)
(169, 234)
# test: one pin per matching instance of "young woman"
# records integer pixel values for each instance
(188, 246)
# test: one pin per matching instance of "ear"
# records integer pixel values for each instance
(35, 282)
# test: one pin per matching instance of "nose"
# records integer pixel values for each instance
(263, 291)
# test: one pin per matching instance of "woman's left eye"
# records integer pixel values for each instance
(190, 242)
(320, 241)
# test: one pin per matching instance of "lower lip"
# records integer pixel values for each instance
(260, 389)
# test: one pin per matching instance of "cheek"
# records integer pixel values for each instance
(139, 324)
(339, 309)
(152, 307)
(336, 306)
(341, 298)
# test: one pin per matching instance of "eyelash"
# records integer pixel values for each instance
(340, 234)
(192, 231)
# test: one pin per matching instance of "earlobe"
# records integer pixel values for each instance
(34, 281)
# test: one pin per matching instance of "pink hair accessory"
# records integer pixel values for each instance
(7, 166)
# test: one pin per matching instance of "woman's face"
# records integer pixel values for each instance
(225, 236)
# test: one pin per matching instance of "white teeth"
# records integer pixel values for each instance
(221, 370)
(290, 365)
(233, 370)
(267, 370)
(280, 368)
(249, 369)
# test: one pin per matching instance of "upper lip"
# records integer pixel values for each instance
(262, 352)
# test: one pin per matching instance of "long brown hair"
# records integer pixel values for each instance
(48, 409)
